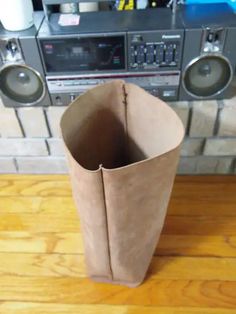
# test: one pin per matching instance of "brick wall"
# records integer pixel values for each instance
(30, 138)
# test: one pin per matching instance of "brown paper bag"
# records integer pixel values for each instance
(122, 146)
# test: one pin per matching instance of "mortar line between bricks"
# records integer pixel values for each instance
(233, 166)
(48, 147)
(20, 123)
(214, 137)
(16, 164)
(203, 145)
(217, 120)
(210, 156)
(190, 113)
(47, 123)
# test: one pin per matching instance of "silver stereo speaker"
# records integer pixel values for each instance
(22, 81)
(209, 53)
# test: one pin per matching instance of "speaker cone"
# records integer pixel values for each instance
(21, 84)
(207, 76)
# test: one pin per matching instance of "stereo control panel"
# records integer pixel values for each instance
(154, 50)
(164, 84)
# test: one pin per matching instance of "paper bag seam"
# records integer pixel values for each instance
(107, 227)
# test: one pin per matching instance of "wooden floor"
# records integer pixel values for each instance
(42, 264)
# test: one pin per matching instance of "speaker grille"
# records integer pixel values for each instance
(22, 84)
(207, 76)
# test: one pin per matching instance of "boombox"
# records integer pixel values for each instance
(183, 56)
(22, 79)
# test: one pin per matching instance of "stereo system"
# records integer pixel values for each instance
(185, 56)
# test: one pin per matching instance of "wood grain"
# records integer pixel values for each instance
(192, 187)
(34, 185)
(33, 242)
(73, 265)
(63, 204)
(55, 308)
(57, 222)
(71, 243)
(153, 292)
(42, 267)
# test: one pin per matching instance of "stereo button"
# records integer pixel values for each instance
(140, 58)
(169, 54)
(92, 82)
(132, 55)
(68, 83)
(159, 53)
(169, 93)
(150, 54)
(149, 58)
(176, 53)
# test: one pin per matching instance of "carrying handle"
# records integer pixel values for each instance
(47, 4)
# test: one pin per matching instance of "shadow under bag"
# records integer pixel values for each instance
(122, 146)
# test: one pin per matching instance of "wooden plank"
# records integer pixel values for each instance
(36, 204)
(186, 206)
(71, 265)
(35, 185)
(34, 177)
(68, 290)
(193, 187)
(33, 242)
(55, 221)
(191, 245)
(55, 308)
(200, 225)
(177, 207)
(71, 243)
(41, 222)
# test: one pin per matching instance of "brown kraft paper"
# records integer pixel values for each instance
(122, 147)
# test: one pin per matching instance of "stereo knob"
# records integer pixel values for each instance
(58, 100)
(12, 48)
(72, 97)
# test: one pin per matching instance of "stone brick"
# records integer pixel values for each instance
(192, 147)
(220, 147)
(56, 146)
(211, 165)
(7, 165)
(33, 122)
(42, 165)
(227, 118)
(205, 165)
(224, 165)
(23, 147)
(203, 119)
(182, 110)
(187, 165)
(9, 125)
(54, 115)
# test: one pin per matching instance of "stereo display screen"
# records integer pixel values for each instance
(84, 54)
